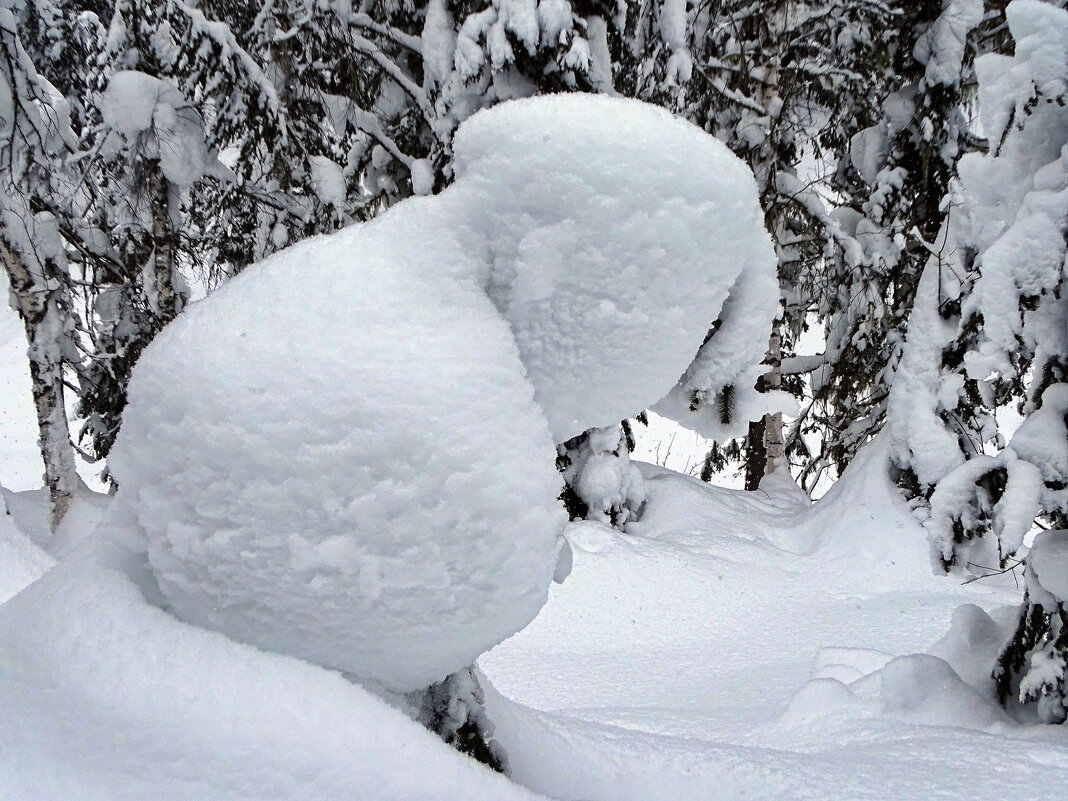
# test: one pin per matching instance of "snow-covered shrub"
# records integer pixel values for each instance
(454, 709)
(1034, 663)
(602, 484)
(347, 452)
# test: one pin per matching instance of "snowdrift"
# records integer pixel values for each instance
(736, 645)
(107, 698)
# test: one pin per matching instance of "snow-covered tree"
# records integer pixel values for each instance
(172, 89)
(286, 136)
(1033, 665)
(62, 38)
(35, 135)
(990, 324)
(776, 81)
(892, 178)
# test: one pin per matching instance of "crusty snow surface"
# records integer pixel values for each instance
(732, 645)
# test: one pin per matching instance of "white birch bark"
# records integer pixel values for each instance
(38, 298)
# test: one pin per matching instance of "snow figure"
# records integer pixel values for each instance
(604, 290)
(347, 453)
(631, 231)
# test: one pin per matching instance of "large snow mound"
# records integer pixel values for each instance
(357, 468)
(613, 234)
(337, 456)
(107, 698)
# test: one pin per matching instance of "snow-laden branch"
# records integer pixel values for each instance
(793, 189)
(220, 33)
(364, 22)
(393, 70)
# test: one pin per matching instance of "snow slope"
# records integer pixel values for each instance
(733, 645)
(106, 697)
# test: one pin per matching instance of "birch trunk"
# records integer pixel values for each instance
(765, 446)
(166, 298)
(37, 297)
(774, 444)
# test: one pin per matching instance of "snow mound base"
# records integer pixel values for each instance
(23, 561)
(105, 697)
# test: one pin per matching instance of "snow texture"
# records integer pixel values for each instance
(23, 561)
(632, 229)
(363, 476)
(327, 180)
(129, 101)
(355, 478)
(732, 358)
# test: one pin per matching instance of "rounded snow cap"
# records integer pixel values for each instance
(614, 234)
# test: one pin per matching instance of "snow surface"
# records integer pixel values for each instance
(735, 645)
(108, 698)
(742, 645)
(22, 560)
(20, 458)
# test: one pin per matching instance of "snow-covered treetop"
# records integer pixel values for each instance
(634, 232)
